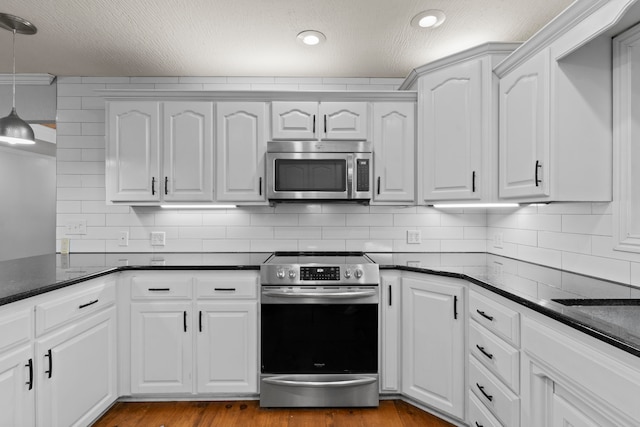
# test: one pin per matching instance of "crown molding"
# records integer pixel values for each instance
(42, 79)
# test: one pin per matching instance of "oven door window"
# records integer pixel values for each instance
(311, 175)
(318, 338)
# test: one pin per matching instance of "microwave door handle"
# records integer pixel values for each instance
(350, 181)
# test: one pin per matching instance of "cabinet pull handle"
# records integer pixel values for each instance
(200, 320)
(390, 295)
(485, 315)
(153, 185)
(166, 185)
(314, 124)
(224, 289)
(81, 306)
(50, 371)
(325, 123)
(478, 425)
(538, 166)
(184, 320)
(260, 186)
(378, 186)
(488, 396)
(483, 351)
(455, 307)
(30, 366)
(159, 289)
(473, 181)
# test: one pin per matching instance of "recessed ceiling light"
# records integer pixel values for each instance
(428, 19)
(311, 37)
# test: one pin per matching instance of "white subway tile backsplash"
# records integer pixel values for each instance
(572, 235)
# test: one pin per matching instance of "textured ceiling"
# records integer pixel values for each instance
(365, 38)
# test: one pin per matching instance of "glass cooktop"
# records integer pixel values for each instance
(331, 258)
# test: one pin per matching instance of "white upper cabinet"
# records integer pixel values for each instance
(394, 152)
(451, 113)
(524, 129)
(133, 151)
(555, 137)
(240, 147)
(188, 151)
(457, 125)
(159, 152)
(295, 120)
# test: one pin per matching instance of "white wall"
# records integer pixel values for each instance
(81, 193)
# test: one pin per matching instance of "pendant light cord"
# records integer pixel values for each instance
(14, 69)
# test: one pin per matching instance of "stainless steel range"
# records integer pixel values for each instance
(319, 330)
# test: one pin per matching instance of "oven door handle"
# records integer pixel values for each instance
(327, 295)
(334, 384)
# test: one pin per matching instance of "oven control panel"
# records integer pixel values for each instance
(319, 273)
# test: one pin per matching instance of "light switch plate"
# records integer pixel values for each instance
(158, 238)
(123, 238)
(498, 240)
(76, 227)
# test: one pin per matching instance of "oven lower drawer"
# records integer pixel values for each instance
(342, 390)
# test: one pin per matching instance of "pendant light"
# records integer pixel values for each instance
(13, 129)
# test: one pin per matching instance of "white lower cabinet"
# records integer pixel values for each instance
(161, 340)
(76, 380)
(16, 387)
(433, 342)
(194, 333)
(227, 347)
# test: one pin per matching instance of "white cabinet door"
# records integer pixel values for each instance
(77, 371)
(188, 151)
(161, 347)
(133, 151)
(228, 347)
(524, 129)
(394, 152)
(452, 133)
(17, 392)
(433, 343)
(390, 334)
(344, 120)
(294, 120)
(240, 149)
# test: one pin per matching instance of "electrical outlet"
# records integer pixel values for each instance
(414, 237)
(158, 238)
(498, 240)
(76, 227)
(123, 238)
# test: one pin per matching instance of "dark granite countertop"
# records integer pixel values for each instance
(528, 284)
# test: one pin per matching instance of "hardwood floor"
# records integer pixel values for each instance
(391, 413)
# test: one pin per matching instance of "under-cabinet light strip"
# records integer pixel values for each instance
(474, 205)
(198, 206)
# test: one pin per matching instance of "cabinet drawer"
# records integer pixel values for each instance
(495, 354)
(161, 287)
(479, 416)
(227, 286)
(15, 327)
(499, 319)
(68, 305)
(501, 401)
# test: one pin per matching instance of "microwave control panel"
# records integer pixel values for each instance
(362, 171)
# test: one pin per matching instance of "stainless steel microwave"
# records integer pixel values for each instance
(319, 170)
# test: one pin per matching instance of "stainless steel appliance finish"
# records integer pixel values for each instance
(319, 329)
(319, 170)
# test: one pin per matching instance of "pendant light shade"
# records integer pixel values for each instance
(13, 129)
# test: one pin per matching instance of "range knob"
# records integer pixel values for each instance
(280, 273)
(358, 273)
(292, 274)
(347, 274)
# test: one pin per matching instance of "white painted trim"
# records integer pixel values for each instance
(27, 79)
